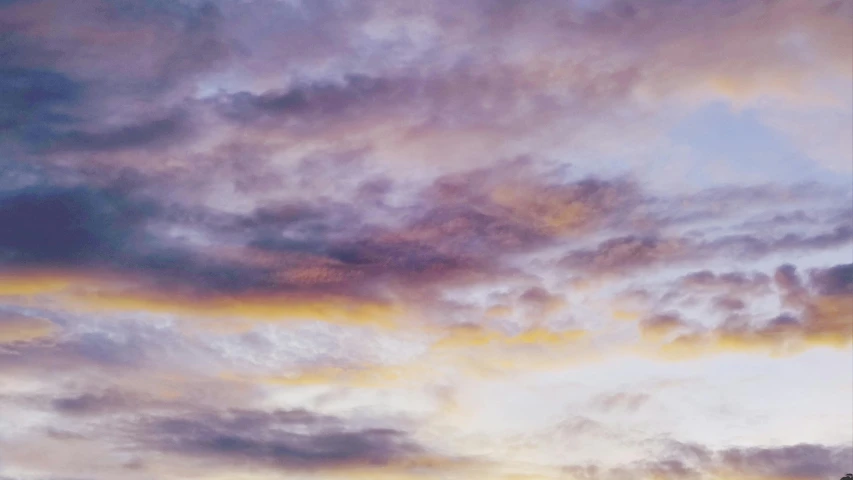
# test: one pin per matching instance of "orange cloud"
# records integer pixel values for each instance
(331, 309)
(375, 376)
(19, 328)
(827, 322)
(33, 283)
(472, 336)
(98, 291)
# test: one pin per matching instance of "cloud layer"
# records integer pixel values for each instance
(490, 239)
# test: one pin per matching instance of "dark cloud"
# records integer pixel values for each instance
(152, 133)
(101, 75)
(157, 44)
(461, 226)
(65, 226)
(685, 461)
(837, 280)
(34, 102)
(278, 439)
(312, 101)
(412, 102)
(92, 403)
(42, 109)
(790, 462)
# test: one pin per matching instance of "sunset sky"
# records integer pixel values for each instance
(426, 240)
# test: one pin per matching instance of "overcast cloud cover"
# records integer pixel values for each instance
(479, 239)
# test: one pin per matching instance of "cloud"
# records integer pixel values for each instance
(302, 255)
(33, 100)
(692, 461)
(23, 328)
(791, 462)
(276, 439)
(629, 253)
(837, 280)
(661, 325)
(317, 78)
(79, 346)
(350, 205)
(64, 226)
(107, 402)
(752, 282)
(161, 43)
(627, 401)
(321, 261)
(729, 303)
(150, 133)
(821, 318)
(305, 103)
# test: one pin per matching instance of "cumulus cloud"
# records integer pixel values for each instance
(813, 314)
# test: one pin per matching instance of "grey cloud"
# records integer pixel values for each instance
(729, 281)
(813, 310)
(64, 225)
(33, 102)
(790, 462)
(318, 100)
(790, 285)
(627, 253)
(111, 347)
(663, 322)
(69, 87)
(686, 461)
(729, 303)
(837, 280)
(458, 226)
(786, 278)
(276, 439)
(92, 403)
(152, 133)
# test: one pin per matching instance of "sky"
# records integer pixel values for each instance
(395, 240)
